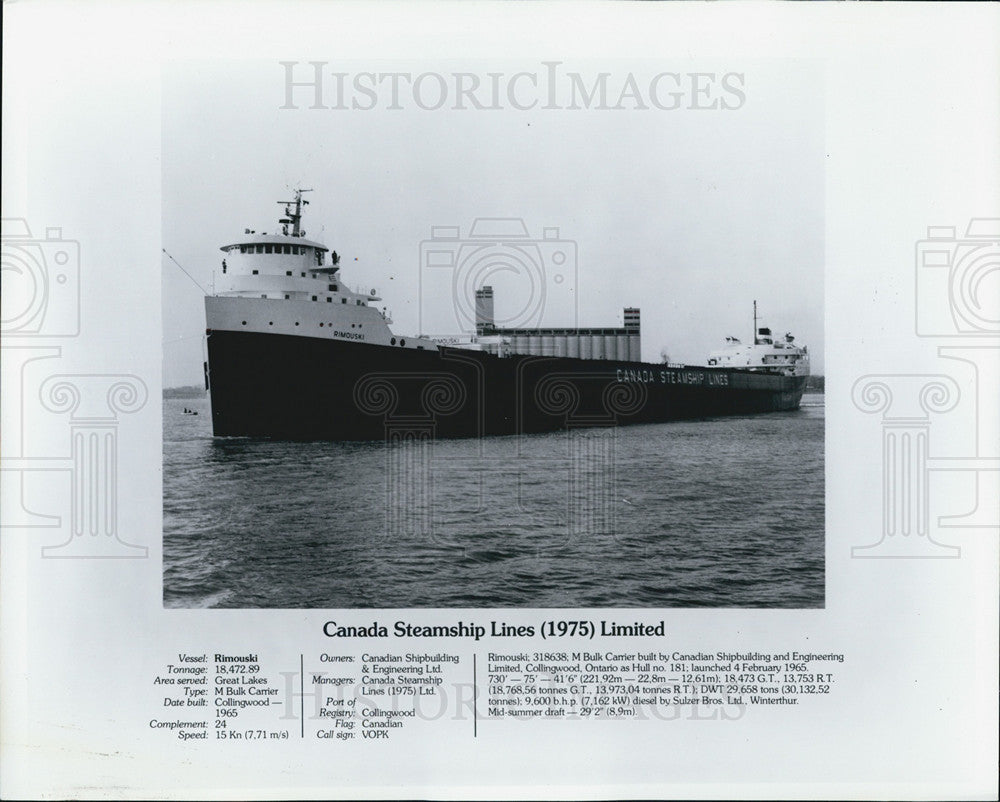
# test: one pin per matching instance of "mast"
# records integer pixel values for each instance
(755, 322)
(295, 218)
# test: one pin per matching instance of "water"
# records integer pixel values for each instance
(717, 513)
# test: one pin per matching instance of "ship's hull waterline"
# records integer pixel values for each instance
(304, 388)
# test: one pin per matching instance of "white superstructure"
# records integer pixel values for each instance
(765, 354)
(287, 284)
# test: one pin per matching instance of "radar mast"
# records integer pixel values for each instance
(291, 218)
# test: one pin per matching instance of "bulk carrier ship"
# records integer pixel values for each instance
(294, 353)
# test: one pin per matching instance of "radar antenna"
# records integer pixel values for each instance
(291, 218)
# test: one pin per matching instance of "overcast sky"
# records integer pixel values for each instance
(689, 214)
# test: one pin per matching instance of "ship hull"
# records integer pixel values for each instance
(302, 388)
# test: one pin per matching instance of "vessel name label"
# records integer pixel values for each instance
(349, 335)
(644, 376)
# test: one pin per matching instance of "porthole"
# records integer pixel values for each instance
(402, 342)
(321, 325)
(244, 322)
(393, 340)
(296, 323)
(270, 323)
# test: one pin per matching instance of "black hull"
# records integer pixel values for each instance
(301, 388)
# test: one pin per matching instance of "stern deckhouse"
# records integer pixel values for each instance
(765, 355)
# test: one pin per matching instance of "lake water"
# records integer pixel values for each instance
(726, 512)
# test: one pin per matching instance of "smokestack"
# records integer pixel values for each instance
(484, 309)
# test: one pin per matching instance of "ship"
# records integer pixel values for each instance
(295, 353)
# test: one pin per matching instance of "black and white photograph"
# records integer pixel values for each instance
(556, 400)
(493, 334)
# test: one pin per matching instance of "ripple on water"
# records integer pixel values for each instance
(724, 513)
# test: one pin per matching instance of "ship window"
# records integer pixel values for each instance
(288, 272)
(296, 323)
(357, 302)
(303, 275)
(243, 248)
(264, 295)
(286, 297)
(402, 342)
(321, 325)
(343, 300)
(260, 249)
(329, 300)
(244, 322)
(393, 341)
(332, 287)
(255, 272)
(315, 298)
(268, 249)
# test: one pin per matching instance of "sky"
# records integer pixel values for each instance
(689, 213)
